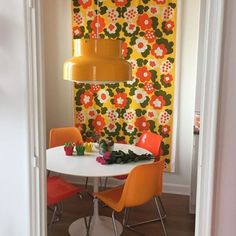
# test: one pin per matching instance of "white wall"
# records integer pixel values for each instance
(14, 185)
(179, 182)
(58, 47)
(225, 188)
(59, 93)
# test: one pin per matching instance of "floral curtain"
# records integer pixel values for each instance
(124, 111)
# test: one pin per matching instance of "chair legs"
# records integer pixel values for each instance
(114, 223)
(160, 218)
(159, 213)
(87, 224)
(162, 207)
(86, 183)
(57, 213)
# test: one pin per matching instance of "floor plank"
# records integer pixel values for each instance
(178, 222)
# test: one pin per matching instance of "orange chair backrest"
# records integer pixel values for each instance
(60, 136)
(142, 184)
(151, 142)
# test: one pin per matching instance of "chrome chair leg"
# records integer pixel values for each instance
(125, 217)
(162, 207)
(105, 183)
(53, 216)
(159, 212)
(114, 223)
(156, 199)
(86, 183)
(87, 224)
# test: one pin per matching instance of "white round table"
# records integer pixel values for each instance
(88, 166)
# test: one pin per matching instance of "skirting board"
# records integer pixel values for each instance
(167, 187)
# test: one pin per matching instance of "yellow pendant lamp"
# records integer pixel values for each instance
(97, 61)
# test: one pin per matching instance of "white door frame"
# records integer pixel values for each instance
(36, 117)
(210, 44)
(211, 26)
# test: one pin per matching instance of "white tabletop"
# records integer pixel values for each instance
(87, 165)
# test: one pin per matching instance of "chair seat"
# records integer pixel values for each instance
(111, 196)
(58, 190)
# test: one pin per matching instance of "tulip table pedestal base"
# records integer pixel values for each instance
(100, 226)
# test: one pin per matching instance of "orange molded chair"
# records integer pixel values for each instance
(151, 142)
(60, 136)
(143, 183)
(57, 188)
(57, 191)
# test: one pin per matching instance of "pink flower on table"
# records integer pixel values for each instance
(107, 155)
(101, 160)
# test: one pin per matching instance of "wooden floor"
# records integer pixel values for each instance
(178, 222)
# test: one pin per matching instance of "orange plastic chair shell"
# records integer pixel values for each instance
(151, 142)
(58, 190)
(143, 183)
(59, 136)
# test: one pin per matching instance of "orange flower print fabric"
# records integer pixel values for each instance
(123, 111)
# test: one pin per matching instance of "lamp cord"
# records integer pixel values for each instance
(97, 14)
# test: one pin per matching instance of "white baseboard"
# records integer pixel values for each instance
(176, 189)
(167, 187)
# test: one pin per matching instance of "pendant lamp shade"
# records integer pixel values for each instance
(97, 61)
